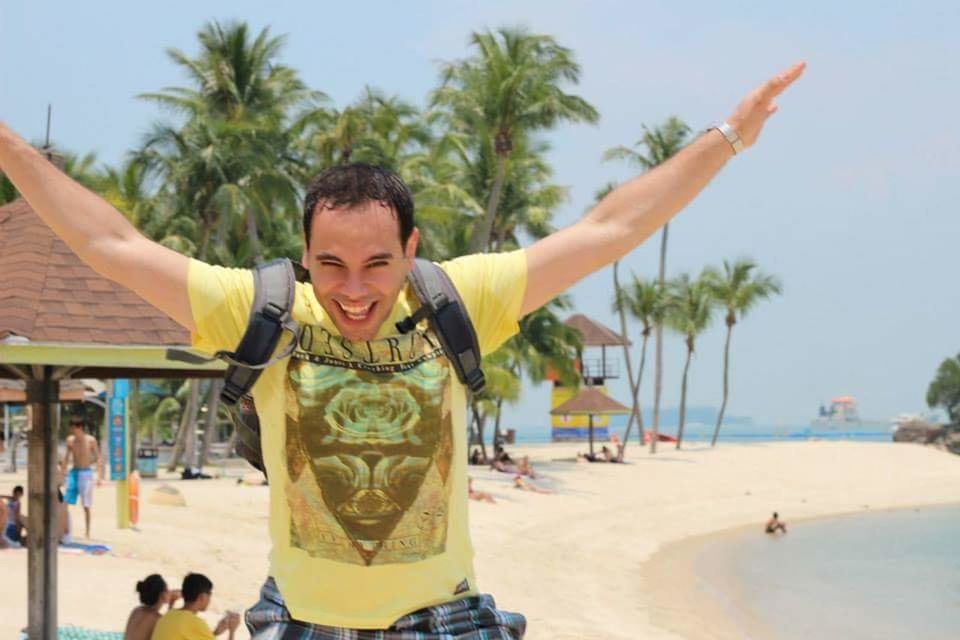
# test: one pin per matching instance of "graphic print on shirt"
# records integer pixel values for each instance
(369, 444)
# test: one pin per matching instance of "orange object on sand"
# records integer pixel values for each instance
(133, 488)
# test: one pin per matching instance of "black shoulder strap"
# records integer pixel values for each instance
(274, 284)
(441, 305)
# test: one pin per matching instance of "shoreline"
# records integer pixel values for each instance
(575, 562)
(680, 564)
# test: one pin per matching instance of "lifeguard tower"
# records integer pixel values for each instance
(595, 370)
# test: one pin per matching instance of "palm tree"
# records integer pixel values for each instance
(511, 87)
(232, 164)
(644, 301)
(738, 289)
(660, 143)
(689, 311)
(233, 158)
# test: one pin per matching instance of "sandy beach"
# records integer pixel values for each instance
(580, 563)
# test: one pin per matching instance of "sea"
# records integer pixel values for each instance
(703, 432)
(870, 576)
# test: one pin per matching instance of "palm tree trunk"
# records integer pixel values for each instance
(188, 423)
(658, 362)
(478, 420)
(254, 237)
(726, 386)
(482, 228)
(683, 397)
(634, 386)
(496, 423)
(210, 424)
(590, 427)
(636, 392)
(134, 424)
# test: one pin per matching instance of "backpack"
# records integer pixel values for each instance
(271, 317)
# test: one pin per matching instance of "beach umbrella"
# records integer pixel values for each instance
(590, 402)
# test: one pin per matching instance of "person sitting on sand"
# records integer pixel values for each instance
(519, 482)
(14, 516)
(525, 467)
(476, 456)
(500, 454)
(479, 496)
(154, 594)
(184, 623)
(774, 524)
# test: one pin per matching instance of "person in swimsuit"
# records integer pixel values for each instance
(14, 516)
(774, 524)
(83, 451)
(154, 594)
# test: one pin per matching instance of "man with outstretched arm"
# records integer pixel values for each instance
(362, 428)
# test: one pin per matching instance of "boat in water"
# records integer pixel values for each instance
(842, 420)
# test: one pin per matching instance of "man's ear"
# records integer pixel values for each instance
(410, 251)
(303, 258)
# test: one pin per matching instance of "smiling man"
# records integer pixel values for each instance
(363, 431)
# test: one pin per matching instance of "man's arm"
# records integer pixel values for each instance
(96, 232)
(98, 459)
(633, 212)
(67, 454)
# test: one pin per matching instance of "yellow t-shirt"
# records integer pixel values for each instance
(365, 446)
(180, 624)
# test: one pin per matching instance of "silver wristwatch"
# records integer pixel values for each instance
(731, 136)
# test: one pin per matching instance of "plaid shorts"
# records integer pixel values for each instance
(473, 618)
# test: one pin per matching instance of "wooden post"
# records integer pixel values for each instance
(590, 419)
(42, 521)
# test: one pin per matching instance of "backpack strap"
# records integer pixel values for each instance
(442, 306)
(274, 284)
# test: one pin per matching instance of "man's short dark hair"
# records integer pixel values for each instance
(356, 183)
(78, 421)
(195, 584)
(18, 489)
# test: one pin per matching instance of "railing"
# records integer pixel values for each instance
(600, 368)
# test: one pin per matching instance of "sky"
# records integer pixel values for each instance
(849, 197)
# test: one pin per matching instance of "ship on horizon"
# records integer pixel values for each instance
(842, 416)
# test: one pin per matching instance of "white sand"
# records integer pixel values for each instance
(573, 562)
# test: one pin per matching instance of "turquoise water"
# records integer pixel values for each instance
(865, 577)
(739, 433)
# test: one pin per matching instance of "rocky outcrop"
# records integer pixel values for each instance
(917, 431)
(941, 436)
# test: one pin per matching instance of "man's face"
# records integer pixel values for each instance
(76, 428)
(358, 265)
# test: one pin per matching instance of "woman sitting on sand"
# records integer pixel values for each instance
(153, 595)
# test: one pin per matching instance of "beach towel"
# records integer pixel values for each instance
(70, 632)
(92, 549)
(472, 618)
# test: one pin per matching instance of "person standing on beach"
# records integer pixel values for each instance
(84, 453)
(368, 508)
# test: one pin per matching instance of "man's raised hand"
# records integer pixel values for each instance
(749, 116)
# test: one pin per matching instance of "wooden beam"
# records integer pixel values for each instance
(42, 520)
